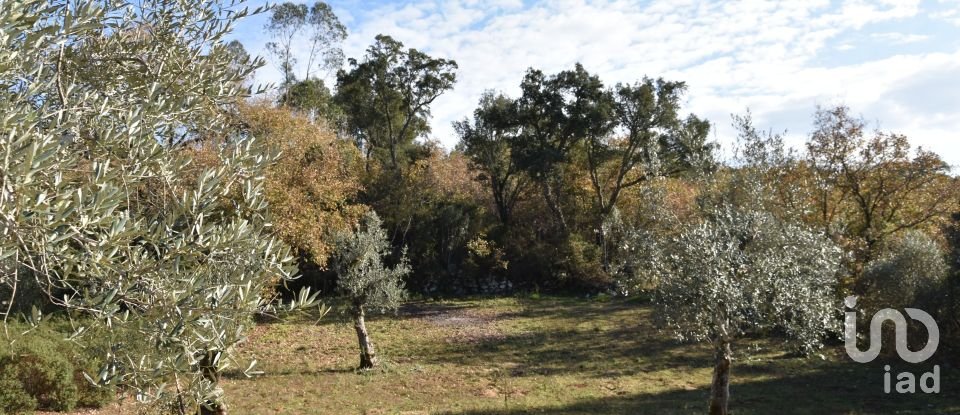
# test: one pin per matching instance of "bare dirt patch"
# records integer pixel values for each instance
(465, 325)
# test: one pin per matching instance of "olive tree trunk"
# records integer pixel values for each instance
(720, 391)
(368, 357)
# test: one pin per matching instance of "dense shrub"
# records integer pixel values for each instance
(486, 265)
(580, 265)
(41, 371)
(909, 273)
(13, 398)
(571, 264)
(90, 395)
(950, 313)
(44, 374)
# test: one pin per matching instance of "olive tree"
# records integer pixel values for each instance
(104, 207)
(365, 280)
(744, 271)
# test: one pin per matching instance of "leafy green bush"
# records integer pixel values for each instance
(41, 371)
(90, 395)
(13, 398)
(950, 313)
(909, 273)
(44, 374)
(571, 264)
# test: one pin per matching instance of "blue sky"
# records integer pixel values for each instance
(896, 63)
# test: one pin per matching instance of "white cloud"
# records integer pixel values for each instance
(898, 38)
(951, 16)
(768, 56)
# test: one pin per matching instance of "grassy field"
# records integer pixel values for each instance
(551, 356)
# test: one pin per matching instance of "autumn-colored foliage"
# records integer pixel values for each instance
(313, 185)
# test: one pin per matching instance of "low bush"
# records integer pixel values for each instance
(911, 272)
(13, 398)
(39, 370)
(44, 374)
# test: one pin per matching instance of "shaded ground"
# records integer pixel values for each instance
(552, 356)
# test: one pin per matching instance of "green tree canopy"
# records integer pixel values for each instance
(487, 142)
(556, 114)
(386, 98)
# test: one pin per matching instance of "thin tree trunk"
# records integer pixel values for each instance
(208, 367)
(368, 357)
(553, 202)
(720, 392)
(499, 199)
(602, 241)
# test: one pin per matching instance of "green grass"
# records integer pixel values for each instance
(549, 355)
